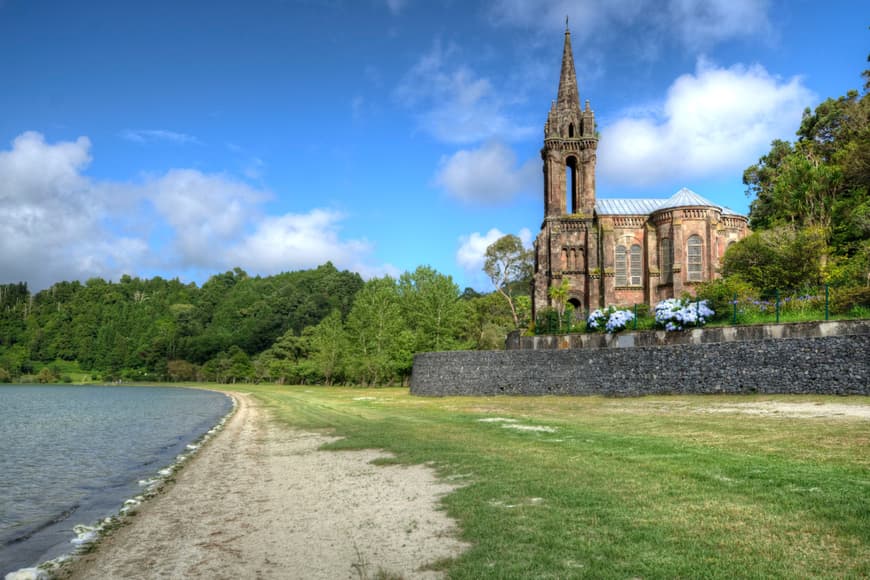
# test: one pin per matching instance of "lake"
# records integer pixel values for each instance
(71, 455)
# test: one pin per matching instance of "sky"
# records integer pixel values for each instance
(183, 138)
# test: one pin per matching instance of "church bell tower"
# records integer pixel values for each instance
(566, 247)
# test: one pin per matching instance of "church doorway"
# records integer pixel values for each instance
(577, 308)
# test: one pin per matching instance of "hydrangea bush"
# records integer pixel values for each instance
(610, 319)
(618, 320)
(596, 320)
(676, 314)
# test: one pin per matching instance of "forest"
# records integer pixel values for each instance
(810, 221)
(312, 326)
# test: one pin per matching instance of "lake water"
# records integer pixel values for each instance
(73, 455)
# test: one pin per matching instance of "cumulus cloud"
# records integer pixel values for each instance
(294, 241)
(472, 247)
(488, 174)
(149, 135)
(696, 24)
(712, 122)
(52, 218)
(453, 104)
(58, 224)
(205, 212)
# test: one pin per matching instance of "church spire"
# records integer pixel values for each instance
(569, 96)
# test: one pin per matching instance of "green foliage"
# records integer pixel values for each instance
(328, 347)
(846, 300)
(721, 293)
(378, 348)
(783, 258)
(509, 266)
(818, 188)
(163, 330)
(432, 309)
(559, 297)
(488, 319)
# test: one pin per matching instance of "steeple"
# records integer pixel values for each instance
(569, 96)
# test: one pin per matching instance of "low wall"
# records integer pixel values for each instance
(806, 358)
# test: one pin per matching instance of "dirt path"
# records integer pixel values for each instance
(259, 501)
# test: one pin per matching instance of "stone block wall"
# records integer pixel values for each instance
(806, 364)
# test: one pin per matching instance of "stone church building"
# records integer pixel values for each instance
(616, 251)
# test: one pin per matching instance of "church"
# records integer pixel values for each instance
(616, 251)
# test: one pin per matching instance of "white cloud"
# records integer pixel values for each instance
(205, 213)
(696, 24)
(470, 255)
(293, 241)
(453, 104)
(52, 218)
(713, 122)
(57, 224)
(149, 135)
(488, 174)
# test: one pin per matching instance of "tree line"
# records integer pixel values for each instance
(810, 209)
(312, 326)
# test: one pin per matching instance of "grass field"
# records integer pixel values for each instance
(655, 487)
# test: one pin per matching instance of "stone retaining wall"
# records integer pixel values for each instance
(812, 360)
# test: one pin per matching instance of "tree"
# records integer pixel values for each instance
(508, 263)
(819, 186)
(374, 329)
(559, 296)
(432, 308)
(784, 258)
(328, 346)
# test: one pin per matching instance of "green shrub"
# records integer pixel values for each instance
(720, 293)
(844, 300)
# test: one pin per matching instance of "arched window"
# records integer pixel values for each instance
(571, 130)
(636, 266)
(695, 259)
(619, 267)
(667, 260)
(572, 185)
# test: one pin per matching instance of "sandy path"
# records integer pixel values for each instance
(259, 501)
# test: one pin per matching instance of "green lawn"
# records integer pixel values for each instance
(655, 487)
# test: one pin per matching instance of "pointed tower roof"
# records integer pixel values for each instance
(569, 96)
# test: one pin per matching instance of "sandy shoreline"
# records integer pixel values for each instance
(260, 501)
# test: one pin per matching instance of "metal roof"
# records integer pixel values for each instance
(683, 198)
(627, 206)
(686, 197)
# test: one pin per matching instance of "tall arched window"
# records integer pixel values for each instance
(695, 259)
(667, 260)
(572, 185)
(571, 131)
(636, 266)
(619, 267)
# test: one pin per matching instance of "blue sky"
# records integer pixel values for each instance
(184, 138)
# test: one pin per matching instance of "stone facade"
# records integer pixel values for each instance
(814, 359)
(616, 251)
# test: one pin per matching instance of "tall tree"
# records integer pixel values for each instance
(374, 327)
(508, 264)
(328, 346)
(432, 308)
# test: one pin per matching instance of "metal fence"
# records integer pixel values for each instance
(816, 304)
